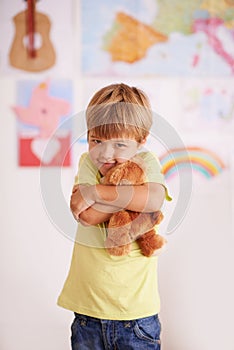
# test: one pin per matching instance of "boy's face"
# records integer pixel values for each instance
(106, 153)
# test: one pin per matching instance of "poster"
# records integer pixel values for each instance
(157, 37)
(53, 38)
(208, 104)
(40, 110)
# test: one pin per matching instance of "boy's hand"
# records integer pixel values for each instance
(82, 198)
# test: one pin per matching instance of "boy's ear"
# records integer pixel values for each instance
(142, 142)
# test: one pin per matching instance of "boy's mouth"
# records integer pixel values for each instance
(106, 166)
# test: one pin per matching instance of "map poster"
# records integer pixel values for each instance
(158, 37)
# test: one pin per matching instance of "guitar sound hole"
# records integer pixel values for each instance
(37, 41)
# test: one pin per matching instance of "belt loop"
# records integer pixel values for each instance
(127, 324)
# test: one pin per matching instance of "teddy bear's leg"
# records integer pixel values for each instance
(149, 242)
(141, 223)
(120, 250)
(118, 241)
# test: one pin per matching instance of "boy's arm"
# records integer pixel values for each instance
(96, 214)
(148, 197)
(92, 213)
(93, 204)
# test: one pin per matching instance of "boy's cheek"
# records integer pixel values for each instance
(93, 157)
(124, 158)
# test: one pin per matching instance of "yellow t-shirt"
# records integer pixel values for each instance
(105, 286)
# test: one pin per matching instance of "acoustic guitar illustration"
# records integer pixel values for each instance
(41, 57)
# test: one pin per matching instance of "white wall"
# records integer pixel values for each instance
(195, 272)
(34, 256)
(196, 276)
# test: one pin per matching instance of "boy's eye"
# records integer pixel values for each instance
(120, 145)
(96, 142)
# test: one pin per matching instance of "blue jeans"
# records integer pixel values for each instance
(89, 333)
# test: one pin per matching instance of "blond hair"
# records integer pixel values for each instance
(119, 110)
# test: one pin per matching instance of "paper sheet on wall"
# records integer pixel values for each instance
(55, 30)
(208, 104)
(41, 109)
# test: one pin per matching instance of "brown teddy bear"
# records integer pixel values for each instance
(127, 226)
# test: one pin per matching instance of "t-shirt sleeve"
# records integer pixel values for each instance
(87, 172)
(153, 170)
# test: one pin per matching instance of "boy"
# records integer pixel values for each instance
(115, 299)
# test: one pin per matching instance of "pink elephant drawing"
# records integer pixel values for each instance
(44, 111)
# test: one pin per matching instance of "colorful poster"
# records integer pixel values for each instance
(43, 136)
(208, 105)
(157, 37)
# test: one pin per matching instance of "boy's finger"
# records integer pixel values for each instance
(75, 188)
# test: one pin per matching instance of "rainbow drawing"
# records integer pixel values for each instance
(198, 159)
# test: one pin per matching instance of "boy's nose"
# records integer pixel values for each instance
(107, 152)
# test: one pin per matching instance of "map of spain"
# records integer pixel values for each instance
(165, 37)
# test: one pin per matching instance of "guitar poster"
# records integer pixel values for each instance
(51, 37)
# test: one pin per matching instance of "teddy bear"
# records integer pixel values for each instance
(126, 226)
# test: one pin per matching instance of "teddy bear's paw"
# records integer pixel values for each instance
(151, 242)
